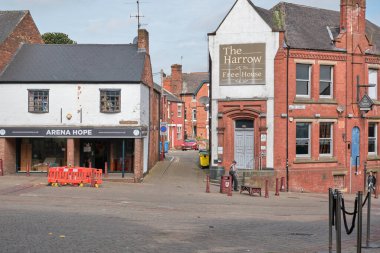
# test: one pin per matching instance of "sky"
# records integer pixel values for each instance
(177, 28)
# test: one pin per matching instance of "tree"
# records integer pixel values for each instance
(57, 38)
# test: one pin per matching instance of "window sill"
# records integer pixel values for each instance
(300, 100)
(326, 101)
(300, 160)
(373, 158)
(320, 101)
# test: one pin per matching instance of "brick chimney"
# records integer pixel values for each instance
(176, 82)
(352, 16)
(143, 40)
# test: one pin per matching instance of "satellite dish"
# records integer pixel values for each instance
(204, 100)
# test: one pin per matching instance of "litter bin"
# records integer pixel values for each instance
(204, 159)
(225, 184)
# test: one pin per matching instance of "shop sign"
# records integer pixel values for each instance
(73, 132)
(242, 64)
(366, 103)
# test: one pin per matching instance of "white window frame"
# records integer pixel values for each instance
(372, 79)
(374, 138)
(179, 110)
(168, 110)
(331, 81)
(194, 113)
(308, 155)
(179, 132)
(308, 82)
(331, 138)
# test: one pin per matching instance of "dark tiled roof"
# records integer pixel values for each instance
(8, 22)
(171, 97)
(191, 81)
(373, 34)
(309, 27)
(75, 63)
(306, 27)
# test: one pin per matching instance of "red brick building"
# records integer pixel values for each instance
(324, 127)
(173, 115)
(190, 87)
(16, 27)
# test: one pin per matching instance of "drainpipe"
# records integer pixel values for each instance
(210, 110)
(287, 118)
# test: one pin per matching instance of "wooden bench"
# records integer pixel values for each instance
(250, 189)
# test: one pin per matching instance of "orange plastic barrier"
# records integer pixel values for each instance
(74, 176)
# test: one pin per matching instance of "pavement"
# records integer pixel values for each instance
(168, 212)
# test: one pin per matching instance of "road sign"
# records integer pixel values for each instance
(163, 128)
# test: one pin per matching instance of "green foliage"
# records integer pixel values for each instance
(57, 38)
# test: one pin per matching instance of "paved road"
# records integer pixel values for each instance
(168, 212)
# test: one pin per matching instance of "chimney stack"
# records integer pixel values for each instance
(352, 16)
(143, 40)
(176, 81)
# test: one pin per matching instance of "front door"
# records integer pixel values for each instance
(244, 144)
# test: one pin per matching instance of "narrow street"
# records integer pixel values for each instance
(168, 212)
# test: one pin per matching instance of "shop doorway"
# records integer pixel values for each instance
(100, 152)
(244, 144)
(94, 153)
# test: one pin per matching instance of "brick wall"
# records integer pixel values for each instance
(202, 119)
(8, 155)
(317, 173)
(154, 103)
(138, 162)
(25, 32)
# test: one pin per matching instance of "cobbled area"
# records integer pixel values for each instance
(169, 212)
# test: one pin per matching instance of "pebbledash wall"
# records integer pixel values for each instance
(245, 101)
(315, 138)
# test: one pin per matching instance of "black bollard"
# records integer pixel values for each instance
(360, 214)
(368, 219)
(338, 222)
(331, 199)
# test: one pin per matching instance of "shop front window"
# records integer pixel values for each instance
(40, 154)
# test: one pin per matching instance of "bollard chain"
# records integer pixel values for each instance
(349, 230)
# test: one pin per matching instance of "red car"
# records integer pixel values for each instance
(189, 145)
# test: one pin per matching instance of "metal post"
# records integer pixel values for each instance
(123, 162)
(266, 189)
(277, 191)
(207, 183)
(1, 167)
(28, 169)
(368, 219)
(338, 222)
(229, 192)
(331, 199)
(282, 187)
(106, 169)
(365, 177)
(360, 222)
